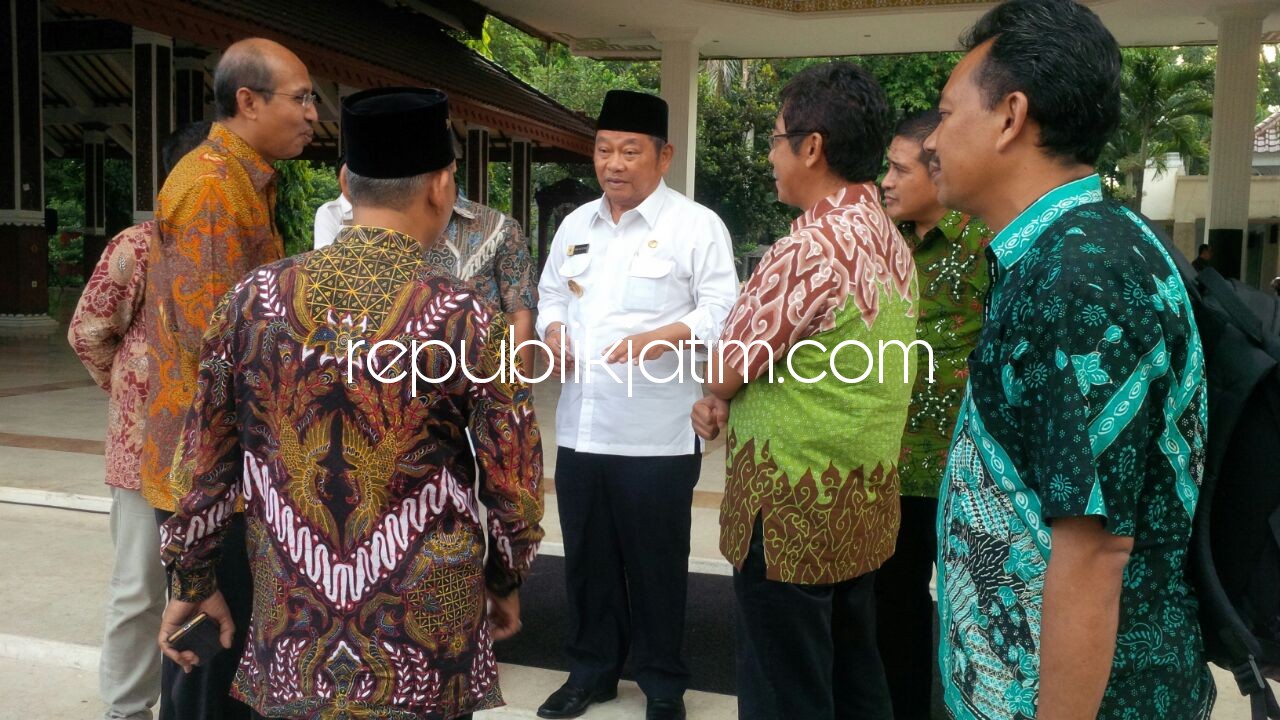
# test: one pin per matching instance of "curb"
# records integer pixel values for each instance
(49, 652)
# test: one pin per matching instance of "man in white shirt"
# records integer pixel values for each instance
(629, 278)
(330, 217)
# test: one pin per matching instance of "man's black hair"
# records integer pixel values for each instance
(249, 68)
(182, 141)
(1203, 247)
(846, 105)
(1060, 55)
(918, 126)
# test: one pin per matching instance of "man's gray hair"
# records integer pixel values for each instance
(248, 67)
(391, 193)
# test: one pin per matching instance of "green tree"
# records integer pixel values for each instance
(1165, 104)
(302, 187)
(732, 171)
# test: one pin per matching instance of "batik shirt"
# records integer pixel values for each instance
(362, 524)
(953, 282)
(214, 217)
(487, 249)
(1086, 398)
(108, 334)
(814, 455)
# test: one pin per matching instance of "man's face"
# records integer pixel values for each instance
(629, 167)
(285, 123)
(909, 192)
(965, 143)
(788, 166)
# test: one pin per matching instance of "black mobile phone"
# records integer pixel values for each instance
(200, 635)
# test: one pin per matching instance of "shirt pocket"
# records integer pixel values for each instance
(647, 283)
(575, 265)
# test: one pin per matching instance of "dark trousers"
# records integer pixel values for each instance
(204, 693)
(625, 522)
(904, 610)
(806, 651)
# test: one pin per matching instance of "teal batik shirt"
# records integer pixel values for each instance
(1086, 398)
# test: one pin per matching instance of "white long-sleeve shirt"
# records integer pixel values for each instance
(330, 217)
(668, 260)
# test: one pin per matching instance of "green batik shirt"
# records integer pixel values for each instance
(814, 435)
(953, 283)
(1086, 398)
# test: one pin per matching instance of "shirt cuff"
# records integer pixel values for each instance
(699, 321)
(500, 580)
(193, 584)
(548, 316)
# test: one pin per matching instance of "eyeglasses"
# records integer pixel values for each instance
(774, 138)
(306, 99)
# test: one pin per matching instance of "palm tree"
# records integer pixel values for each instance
(723, 74)
(1164, 107)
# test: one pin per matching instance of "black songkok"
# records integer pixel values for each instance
(637, 112)
(396, 132)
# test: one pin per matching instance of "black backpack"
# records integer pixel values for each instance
(1235, 546)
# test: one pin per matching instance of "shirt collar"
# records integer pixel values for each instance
(370, 235)
(464, 207)
(260, 171)
(949, 227)
(648, 209)
(1011, 243)
(849, 195)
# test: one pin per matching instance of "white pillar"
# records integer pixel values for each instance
(680, 90)
(1235, 101)
(152, 116)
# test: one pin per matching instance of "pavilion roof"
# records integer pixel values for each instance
(367, 44)
(1266, 135)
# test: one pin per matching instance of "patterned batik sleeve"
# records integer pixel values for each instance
(787, 298)
(209, 452)
(1085, 377)
(508, 448)
(110, 300)
(515, 271)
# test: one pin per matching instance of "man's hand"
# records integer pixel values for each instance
(178, 612)
(709, 416)
(651, 345)
(504, 615)
(557, 341)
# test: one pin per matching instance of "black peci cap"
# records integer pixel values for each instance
(396, 132)
(637, 112)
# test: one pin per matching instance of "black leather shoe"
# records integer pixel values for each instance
(660, 709)
(570, 701)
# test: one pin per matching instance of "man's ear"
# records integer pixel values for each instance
(442, 192)
(813, 149)
(664, 157)
(247, 103)
(1013, 115)
(342, 181)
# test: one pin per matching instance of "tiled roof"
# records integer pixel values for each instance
(1266, 136)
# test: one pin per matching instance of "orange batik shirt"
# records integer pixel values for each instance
(214, 218)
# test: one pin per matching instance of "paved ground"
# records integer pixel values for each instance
(57, 560)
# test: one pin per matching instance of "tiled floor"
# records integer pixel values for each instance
(52, 421)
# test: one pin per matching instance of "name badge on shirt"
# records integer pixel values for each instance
(578, 249)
